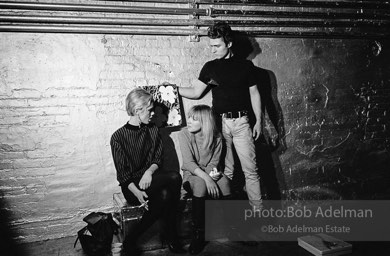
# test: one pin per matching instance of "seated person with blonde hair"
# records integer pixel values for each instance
(201, 146)
(137, 153)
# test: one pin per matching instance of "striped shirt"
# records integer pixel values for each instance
(134, 149)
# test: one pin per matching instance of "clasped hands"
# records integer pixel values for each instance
(211, 185)
(215, 174)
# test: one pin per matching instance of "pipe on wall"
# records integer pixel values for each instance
(287, 23)
(180, 32)
(366, 4)
(97, 30)
(320, 35)
(185, 22)
(103, 8)
(101, 20)
(194, 11)
(380, 5)
(304, 15)
(308, 23)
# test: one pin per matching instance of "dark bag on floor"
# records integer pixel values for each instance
(96, 237)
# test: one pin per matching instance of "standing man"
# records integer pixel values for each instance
(234, 90)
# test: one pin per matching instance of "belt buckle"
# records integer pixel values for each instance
(229, 115)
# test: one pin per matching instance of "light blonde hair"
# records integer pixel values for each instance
(205, 115)
(137, 99)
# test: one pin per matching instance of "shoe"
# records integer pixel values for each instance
(131, 250)
(176, 247)
(197, 243)
(196, 247)
(234, 234)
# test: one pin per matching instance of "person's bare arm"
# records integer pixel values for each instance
(146, 179)
(256, 106)
(193, 92)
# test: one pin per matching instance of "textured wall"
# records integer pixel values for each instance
(334, 97)
(62, 98)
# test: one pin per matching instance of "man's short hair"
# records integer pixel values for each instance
(138, 98)
(221, 30)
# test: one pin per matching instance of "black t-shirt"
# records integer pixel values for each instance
(230, 80)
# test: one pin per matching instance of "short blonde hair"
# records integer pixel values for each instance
(138, 98)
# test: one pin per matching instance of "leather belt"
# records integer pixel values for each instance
(234, 114)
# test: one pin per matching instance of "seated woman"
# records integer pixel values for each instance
(137, 152)
(201, 146)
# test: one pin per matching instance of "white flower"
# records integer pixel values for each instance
(174, 118)
(167, 94)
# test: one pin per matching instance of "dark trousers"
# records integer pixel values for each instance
(164, 196)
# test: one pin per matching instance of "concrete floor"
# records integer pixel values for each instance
(64, 247)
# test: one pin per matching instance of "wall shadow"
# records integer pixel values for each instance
(171, 160)
(7, 234)
(269, 146)
(170, 157)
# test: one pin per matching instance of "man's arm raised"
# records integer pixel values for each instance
(193, 92)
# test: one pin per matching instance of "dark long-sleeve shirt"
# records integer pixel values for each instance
(134, 149)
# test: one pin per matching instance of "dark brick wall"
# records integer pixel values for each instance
(332, 101)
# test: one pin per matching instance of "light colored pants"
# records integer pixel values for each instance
(237, 132)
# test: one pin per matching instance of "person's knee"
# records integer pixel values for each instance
(224, 186)
(200, 193)
(175, 177)
(199, 188)
(165, 195)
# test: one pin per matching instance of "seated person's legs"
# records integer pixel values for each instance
(163, 195)
(166, 188)
(170, 180)
(197, 187)
(224, 186)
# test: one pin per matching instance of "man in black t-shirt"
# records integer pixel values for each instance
(233, 84)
